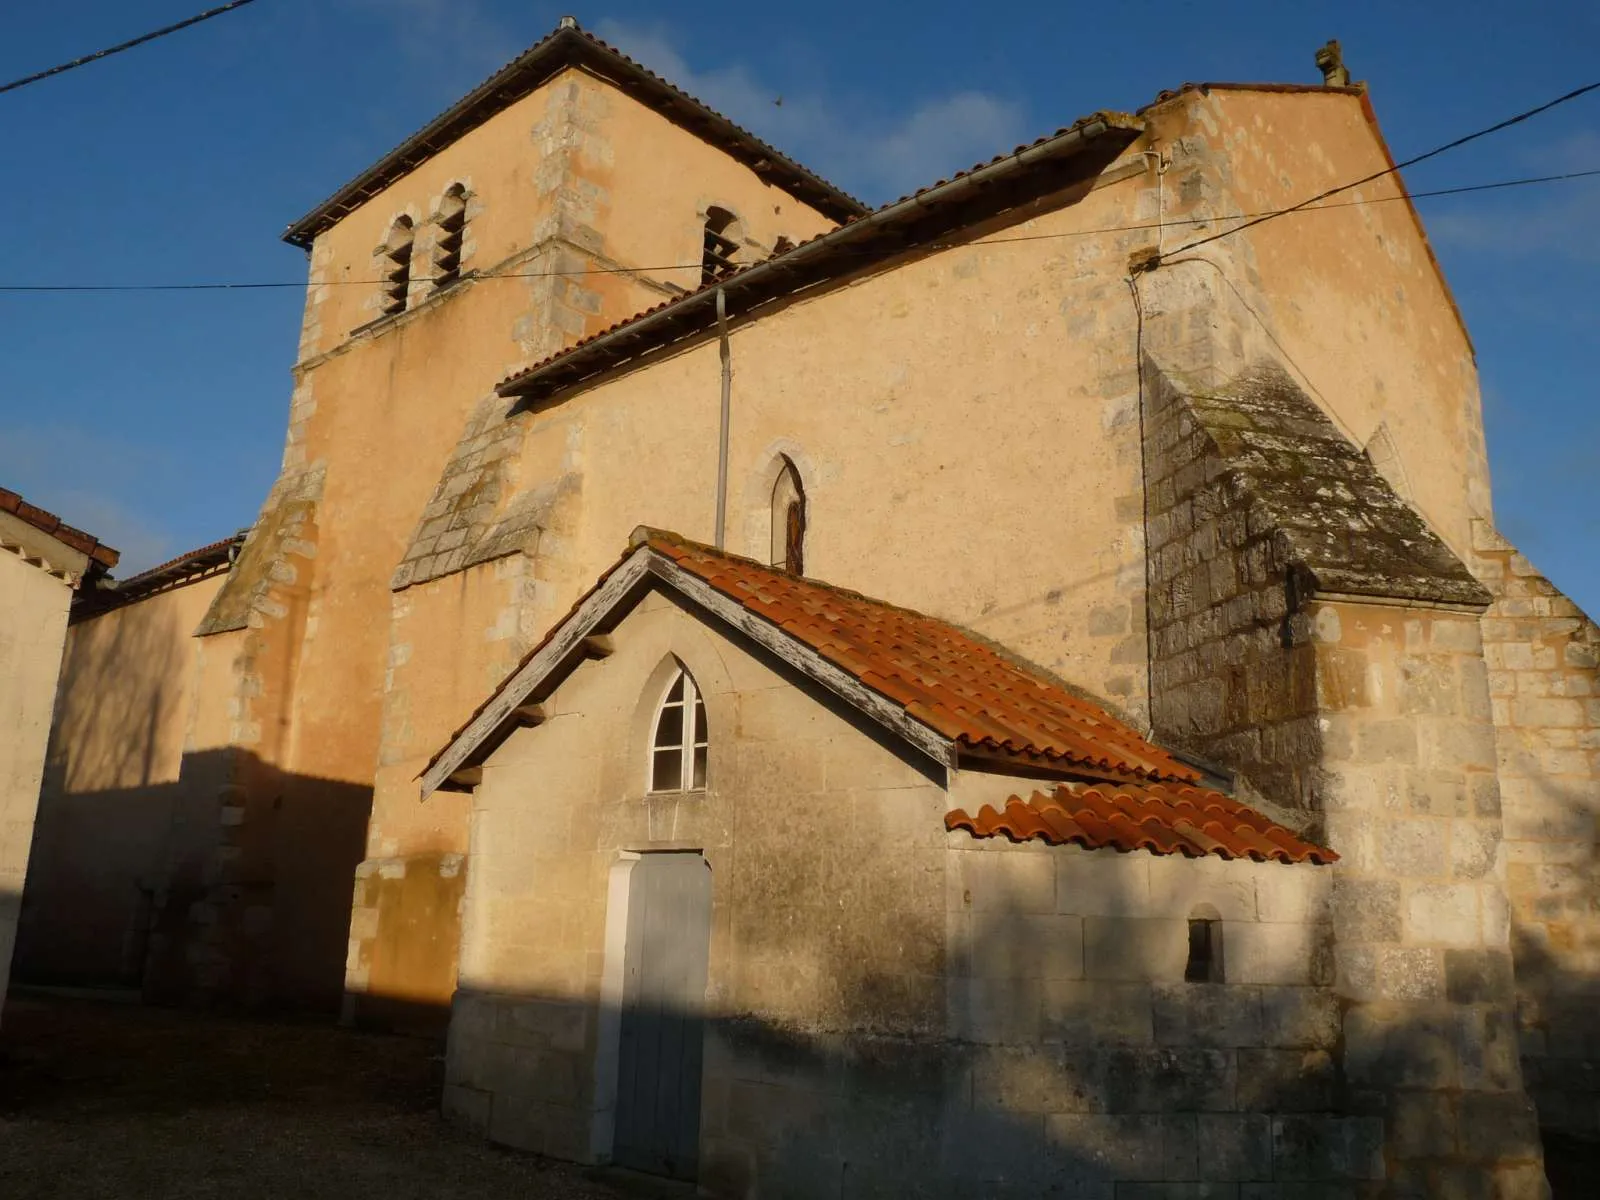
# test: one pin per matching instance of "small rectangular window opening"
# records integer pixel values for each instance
(1205, 952)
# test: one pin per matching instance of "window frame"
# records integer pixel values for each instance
(693, 737)
(398, 261)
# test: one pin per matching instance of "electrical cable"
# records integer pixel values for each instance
(1168, 223)
(118, 49)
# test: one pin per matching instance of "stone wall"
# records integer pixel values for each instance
(111, 832)
(1367, 719)
(1072, 1053)
(891, 1009)
(1543, 655)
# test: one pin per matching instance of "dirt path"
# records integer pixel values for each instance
(109, 1100)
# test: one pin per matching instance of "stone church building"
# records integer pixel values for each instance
(1013, 692)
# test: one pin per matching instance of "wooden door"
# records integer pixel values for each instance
(663, 996)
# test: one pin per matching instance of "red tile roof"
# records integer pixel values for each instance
(1155, 817)
(48, 522)
(197, 564)
(570, 46)
(942, 676)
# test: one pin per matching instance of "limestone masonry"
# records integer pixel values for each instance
(1163, 780)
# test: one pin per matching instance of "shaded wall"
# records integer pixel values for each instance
(33, 621)
(110, 821)
(1543, 655)
(167, 859)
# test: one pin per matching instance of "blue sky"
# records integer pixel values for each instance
(156, 420)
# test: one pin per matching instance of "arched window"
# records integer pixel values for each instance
(678, 747)
(721, 246)
(452, 223)
(397, 272)
(788, 521)
(1205, 946)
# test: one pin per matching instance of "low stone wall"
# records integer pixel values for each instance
(1073, 1050)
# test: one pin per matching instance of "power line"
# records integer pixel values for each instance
(129, 45)
(1410, 162)
(248, 286)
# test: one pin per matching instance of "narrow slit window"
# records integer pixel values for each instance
(1205, 951)
(788, 521)
(719, 258)
(678, 748)
(452, 232)
(397, 266)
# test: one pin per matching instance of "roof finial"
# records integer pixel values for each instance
(1330, 61)
(568, 23)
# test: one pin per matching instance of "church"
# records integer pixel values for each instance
(1017, 691)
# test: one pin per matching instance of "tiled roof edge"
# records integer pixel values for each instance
(201, 562)
(570, 46)
(853, 246)
(48, 523)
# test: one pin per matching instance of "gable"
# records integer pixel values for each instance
(949, 695)
(571, 47)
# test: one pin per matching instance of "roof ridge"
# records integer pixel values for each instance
(570, 45)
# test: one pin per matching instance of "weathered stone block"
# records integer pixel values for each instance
(1179, 884)
(1312, 1148)
(1098, 883)
(1423, 1124)
(1234, 1146)
(1028, 947)
(1004, 882)
(1097, 1013)
(1387, 741)
(1276, 954)
(1417, 849)
(1207, 1015)
(993, 1011)
(1302, 1080)
(1498, 1125)
(1396, 1046)
(1478, 976)
(1116, 948)
(1366, 910)
(1298, 895)
(1166, 1081)
(1299, 1016)
(1034, 1079)
(1443, 914)
(1112, 1148)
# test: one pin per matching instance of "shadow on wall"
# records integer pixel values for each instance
(1000, 1070)
(227, 884)
(1554, 890)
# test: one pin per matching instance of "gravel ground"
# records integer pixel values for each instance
(115, 1100)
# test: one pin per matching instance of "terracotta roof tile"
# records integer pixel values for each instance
(944, 677)
(49, 523)
(1161, 818)
(198, 563)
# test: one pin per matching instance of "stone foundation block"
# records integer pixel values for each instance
(1097, 1014)
(1312, 1148)
(1234, 1146)
(1207, 1015)
(1134, 949)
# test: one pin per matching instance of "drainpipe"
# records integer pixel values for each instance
(722, 441)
